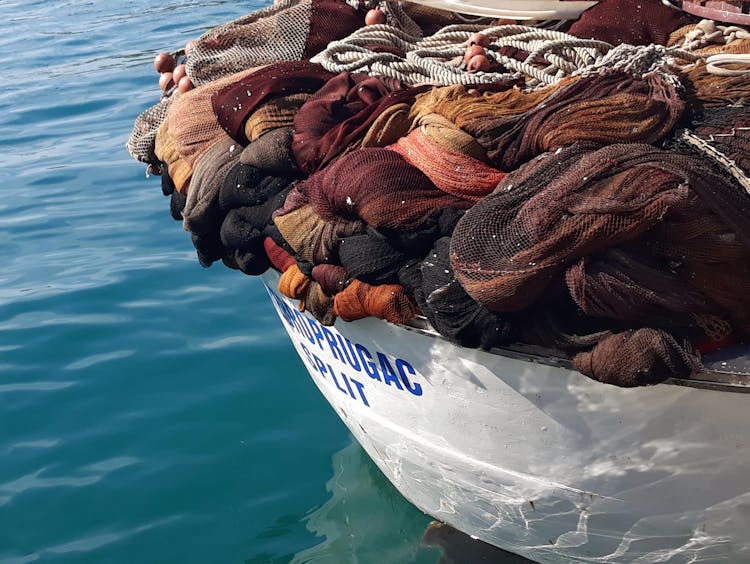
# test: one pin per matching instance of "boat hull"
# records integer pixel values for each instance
(538, 460)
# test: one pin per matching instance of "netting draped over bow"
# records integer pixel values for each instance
(587, 193)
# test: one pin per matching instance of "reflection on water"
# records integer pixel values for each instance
(367, 520)
(460, 548)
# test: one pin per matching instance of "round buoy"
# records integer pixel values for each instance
(479, 39)
(185, 84)
(375, 17)
(166, 81)
(473, 51)
(164, 62)
(179, 72)
(479, 63)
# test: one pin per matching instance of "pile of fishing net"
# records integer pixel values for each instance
(585, 191)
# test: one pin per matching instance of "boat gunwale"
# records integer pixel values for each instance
(710, 379)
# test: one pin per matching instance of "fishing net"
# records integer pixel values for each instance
(236, 102)
(388, 301)
(709, 90)
(314, 239)
(379, 187)
(202, 214)
(276, 113)
(278, 256)
(635, 286)
(639, 357)
(371, 258)
(291, 30)
(605, 108)
(635, 22)
(723, 135)
(272, 153)
(332, 278)
(165, 149)
(191, 118)
(141, 143)
(559, 208)
(448, 169)
(340, 98)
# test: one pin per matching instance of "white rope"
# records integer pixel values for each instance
(438, 59)
(714, 64)
(707, 32)
(640, 60)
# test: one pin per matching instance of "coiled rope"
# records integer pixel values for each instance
(438, 59)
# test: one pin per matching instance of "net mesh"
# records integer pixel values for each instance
(636, 358)
(276, 33)
(379, 187)
(387, 301)
(141, 143)
(191, 118)
(559, 208)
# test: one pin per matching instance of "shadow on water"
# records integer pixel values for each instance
(367, 520)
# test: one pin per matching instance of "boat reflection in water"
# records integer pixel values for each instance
(358, 522)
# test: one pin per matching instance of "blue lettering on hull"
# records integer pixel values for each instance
(397, 374)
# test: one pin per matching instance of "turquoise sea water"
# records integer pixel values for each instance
(150, 410)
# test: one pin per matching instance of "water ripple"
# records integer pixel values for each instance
(39, 386)
(99, 358)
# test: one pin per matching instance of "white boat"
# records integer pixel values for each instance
(524, 453)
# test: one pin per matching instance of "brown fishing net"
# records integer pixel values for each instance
(278, 33)
(388, 301)
(723, 135)
(166, 151)
(313, 238)
(635, 286)
(607, 108)
(513, 125)
(560, 208)
(202, 214)
(636, 358)
(342, 97)
(705, 89)
(280, 259)
(379, 187)
(638, 22)
(448, 169)
(192, 122)
(277, 112)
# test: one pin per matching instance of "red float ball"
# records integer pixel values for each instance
(479, 63)
(375, 17)
(179, 72)
(166, 81)
(164, 62)
(185, 84)
(479, 39)
(473, 51)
